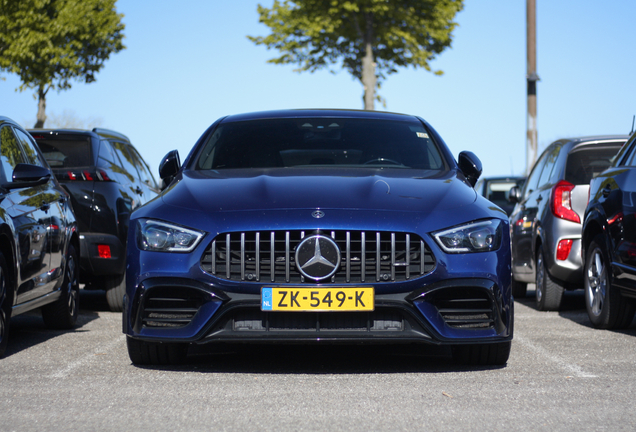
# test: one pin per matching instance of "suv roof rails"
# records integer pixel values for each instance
(110, 133)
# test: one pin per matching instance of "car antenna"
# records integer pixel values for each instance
(633, 118)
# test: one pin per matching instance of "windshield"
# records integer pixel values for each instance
(588, 162)
(65, 151)
(274, 143)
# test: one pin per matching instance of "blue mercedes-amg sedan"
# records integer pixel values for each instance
(319, 226)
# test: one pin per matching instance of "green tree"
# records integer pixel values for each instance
(370, 38)
(49, 43)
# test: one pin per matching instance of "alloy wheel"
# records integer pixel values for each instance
(597, 282)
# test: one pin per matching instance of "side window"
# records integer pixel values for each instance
(10, 153)
(28, 146)
(105, 157)
(144, 172)
(550, 161)
(630, 160)
(533, 178)
(126, 161)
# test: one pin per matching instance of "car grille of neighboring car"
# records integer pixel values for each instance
(365, 256)
(464, 308)
(167, 307)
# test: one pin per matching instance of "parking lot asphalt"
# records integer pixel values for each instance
(562, 375)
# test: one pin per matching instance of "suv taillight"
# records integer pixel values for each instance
(87, 175)
(561, 202)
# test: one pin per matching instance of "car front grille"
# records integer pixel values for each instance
(365, 256)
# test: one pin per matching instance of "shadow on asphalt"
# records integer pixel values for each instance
(28, 329)
(573, 309)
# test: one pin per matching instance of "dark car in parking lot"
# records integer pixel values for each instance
(39, 243)
(319, 226)
(107, 179)
(609, 243)
(496, 190)
(546, 222)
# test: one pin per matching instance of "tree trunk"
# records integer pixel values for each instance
(41, 108)
(369, 80)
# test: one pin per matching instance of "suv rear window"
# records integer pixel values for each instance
(66, 151)
(586, 163)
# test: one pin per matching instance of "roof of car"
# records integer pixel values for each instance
(304, 113)
(594, 138)
(104, 133)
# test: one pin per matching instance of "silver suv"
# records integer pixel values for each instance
(545, 225)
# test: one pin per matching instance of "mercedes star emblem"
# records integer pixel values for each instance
(318, 214)
(317, 257)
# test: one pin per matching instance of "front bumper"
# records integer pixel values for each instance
(455, 311)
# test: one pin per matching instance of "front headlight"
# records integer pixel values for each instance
(164, 237)
(481, 236)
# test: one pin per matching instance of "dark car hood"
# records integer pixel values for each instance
(328, 188)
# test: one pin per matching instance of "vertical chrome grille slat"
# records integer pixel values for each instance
(257, 248)
(245, 256)
(392, 256)
(213, 259)
(363, 258)
(228, 254)
(348, 259)
(408, 256)
(378, 257)
(287, 256)
(272, 256)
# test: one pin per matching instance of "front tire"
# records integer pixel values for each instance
(496, 354)
(549, 293)
(62, 314)
(5, 306)
(156, 353)
(115, 289)
(606, 307)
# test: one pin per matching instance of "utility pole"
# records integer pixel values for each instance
(532, 77)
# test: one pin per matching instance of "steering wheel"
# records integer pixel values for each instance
(381, 160)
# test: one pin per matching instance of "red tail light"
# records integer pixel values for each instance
(563, 249)
(103, 251)
(99, 175)
(562, 202)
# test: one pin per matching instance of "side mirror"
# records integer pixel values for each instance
(27, 175)
(169, 167)
(514, 195)
(470, 165)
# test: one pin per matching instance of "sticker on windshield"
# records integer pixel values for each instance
(422, 135)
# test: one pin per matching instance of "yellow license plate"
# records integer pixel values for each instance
(317, 299)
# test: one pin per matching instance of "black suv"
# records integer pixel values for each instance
(609, 243)
(107, 180)
(39, 242)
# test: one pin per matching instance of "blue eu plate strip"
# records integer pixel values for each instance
(266, 299)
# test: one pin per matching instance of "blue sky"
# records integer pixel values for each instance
(187, 63)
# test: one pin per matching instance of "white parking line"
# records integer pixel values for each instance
(572, 368)
(88, 357)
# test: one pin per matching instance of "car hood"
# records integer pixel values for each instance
(285, 189)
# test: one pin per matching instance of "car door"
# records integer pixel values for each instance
(522, 222)
(618, 199)
(53, 199)
(28, 211)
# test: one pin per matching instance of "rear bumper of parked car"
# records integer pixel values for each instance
(101, 255)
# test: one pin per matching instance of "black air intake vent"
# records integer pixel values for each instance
(465, 308)
(169, 307)
(366, 256)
